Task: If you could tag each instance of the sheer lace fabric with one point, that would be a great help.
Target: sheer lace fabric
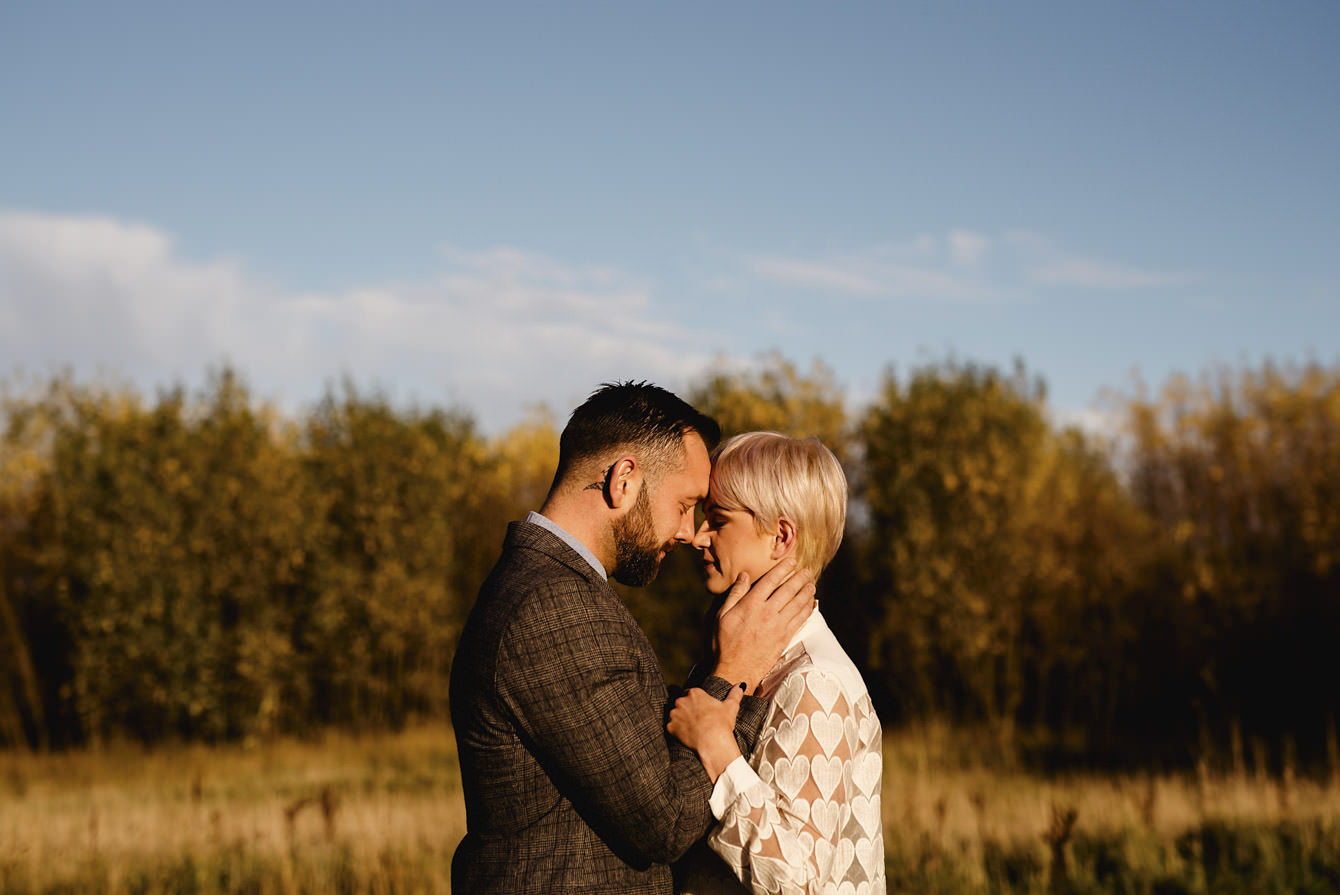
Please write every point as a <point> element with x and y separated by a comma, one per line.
<point>804,814</point>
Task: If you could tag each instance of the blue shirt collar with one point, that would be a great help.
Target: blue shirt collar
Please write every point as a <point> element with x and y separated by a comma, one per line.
<point>563,535</point>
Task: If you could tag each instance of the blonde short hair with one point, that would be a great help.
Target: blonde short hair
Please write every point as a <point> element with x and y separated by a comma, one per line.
<point>770,475</point>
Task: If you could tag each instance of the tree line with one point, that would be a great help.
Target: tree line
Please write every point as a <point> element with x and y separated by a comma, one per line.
<point>199,566</point>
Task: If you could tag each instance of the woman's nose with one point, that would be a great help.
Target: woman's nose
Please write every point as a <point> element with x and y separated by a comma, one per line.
<point>701,539</point>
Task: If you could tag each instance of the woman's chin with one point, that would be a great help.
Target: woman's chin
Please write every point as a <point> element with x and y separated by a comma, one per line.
<point>714,583</point>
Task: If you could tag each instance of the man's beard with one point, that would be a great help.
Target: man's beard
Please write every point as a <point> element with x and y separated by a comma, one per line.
<point>637,551</point>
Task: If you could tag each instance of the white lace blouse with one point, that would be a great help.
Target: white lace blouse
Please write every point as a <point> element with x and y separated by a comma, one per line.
<point>803,814</point>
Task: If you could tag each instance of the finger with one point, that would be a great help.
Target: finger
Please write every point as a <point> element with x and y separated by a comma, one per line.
<point>798,608</point>
<point>792,590</point>
<point>734,696</point>
<point>791,613</point>
<point>774,579</point>
<point>737,592</point>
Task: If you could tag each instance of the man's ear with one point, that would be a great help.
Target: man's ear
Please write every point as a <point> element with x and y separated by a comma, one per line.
<point>622,481</point>
<point>784,544</point>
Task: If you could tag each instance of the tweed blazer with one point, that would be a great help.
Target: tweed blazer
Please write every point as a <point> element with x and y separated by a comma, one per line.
<point>558,703</point>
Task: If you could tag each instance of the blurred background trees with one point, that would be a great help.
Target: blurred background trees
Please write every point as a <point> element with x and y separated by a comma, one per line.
<point>1240,472</point>
<point>202,567</point>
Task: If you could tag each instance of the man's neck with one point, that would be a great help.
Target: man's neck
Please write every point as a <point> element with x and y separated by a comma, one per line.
<point>583,522</point>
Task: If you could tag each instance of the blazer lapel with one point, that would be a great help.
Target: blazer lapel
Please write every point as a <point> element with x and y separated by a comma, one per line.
<point>529,536</point>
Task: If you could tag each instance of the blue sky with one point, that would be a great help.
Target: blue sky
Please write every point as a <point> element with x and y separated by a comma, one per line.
<point>502,205</point>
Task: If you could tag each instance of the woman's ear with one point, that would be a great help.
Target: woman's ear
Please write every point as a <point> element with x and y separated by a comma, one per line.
<point>784,543</point>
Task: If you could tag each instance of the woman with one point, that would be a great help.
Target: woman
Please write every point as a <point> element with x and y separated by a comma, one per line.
<point>803,813</point>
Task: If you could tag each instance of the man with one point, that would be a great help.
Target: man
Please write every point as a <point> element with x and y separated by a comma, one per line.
<point>570,781</point>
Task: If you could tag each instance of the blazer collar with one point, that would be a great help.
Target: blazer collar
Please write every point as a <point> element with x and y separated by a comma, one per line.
<point>530,536</point>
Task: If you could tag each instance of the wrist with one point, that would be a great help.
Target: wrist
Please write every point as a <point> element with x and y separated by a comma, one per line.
<point>717,754</point>
<point>736,674</point>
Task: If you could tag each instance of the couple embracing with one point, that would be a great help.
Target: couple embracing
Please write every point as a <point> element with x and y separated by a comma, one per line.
<point>580,773</point>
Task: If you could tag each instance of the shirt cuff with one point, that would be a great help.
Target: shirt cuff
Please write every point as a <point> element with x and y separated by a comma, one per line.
<point>737,777</point>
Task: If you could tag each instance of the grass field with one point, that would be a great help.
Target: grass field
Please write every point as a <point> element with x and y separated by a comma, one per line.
<point>382,814</point>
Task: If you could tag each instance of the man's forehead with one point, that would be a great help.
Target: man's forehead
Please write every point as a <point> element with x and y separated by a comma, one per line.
<point>690,481</point>
<point>695,451</point>
<point>699,464</point>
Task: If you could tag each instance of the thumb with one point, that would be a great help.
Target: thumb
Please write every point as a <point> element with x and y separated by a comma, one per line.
<point>735,695</point>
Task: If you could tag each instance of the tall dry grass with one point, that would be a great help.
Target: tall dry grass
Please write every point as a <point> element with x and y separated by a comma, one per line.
<point>371,814</point>
<point>383,814</point>
<point>954,821</point>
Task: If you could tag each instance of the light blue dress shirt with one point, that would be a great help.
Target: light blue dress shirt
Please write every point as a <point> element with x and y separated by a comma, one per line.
<point>562,534</point>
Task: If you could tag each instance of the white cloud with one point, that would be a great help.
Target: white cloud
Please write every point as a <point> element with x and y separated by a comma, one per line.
<point>105,292</point>
<point>881,272</point>
<point>1085,273</point>
<point>966,248</point>
<point>801,274</point>
<point>964,266</point>
<point>498,330</point>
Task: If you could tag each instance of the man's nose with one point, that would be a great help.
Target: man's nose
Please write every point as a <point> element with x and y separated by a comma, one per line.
<point>685,534</point>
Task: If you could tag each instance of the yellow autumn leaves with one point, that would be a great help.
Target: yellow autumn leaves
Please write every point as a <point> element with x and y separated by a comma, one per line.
<point>201,566</point>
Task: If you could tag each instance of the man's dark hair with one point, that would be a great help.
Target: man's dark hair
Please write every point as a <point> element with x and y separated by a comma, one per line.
<point>632,413</point>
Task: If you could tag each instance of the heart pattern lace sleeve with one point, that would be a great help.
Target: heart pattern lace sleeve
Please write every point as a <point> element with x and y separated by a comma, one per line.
<point>808,818</point>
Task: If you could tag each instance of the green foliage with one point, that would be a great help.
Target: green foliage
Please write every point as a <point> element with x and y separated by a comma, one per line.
<point>972,497</point>
<point>169,537</point>
<point>25,461</point>
<point>1242,473</point>
<point>1005,554</point>
<point>777,397</point>
<point>385,599</point>
<point>954,464</point>
<point>198,566</point>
